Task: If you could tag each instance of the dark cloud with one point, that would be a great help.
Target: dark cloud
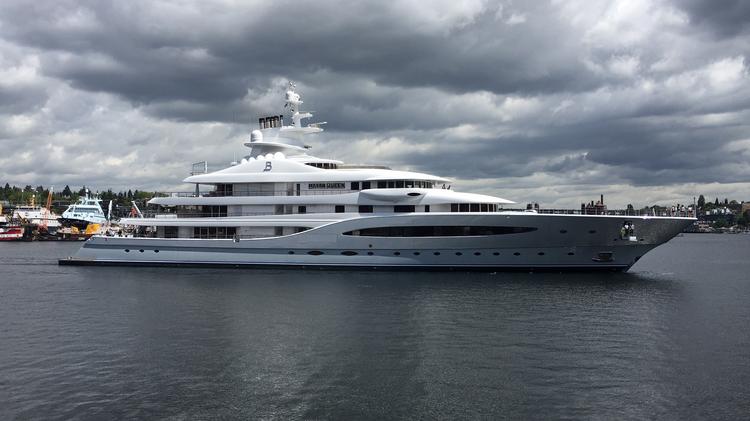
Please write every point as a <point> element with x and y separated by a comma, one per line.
<point>144,56</point>
<point>725,18</point>
<point>578,93</point>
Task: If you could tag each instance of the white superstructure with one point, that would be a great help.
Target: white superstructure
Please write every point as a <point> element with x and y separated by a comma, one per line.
<point>87,210</point>
<point>282,206</point>
<point>36,215</point>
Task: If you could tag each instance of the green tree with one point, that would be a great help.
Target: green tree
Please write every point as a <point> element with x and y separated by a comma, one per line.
<point>701,202</point>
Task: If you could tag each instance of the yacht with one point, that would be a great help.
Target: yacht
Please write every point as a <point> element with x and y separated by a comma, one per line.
<point>282,206</point>
<point>87,210</point>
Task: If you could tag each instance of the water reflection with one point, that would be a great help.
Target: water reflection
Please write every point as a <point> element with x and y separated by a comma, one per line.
<point>667,338</point>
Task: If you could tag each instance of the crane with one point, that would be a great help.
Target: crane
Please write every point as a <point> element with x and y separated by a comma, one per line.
<point>47,211</point>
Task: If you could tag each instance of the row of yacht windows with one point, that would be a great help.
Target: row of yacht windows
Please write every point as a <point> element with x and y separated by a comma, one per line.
<point>398,231</point>
<point>213,211</point>
<point>473,207</point>
<point>323,165</point>
<point>437,231</point>
<point>296,189</point>
<point>214,232</point>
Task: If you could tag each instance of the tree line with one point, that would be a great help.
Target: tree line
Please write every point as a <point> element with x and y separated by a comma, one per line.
<point>16,195</point>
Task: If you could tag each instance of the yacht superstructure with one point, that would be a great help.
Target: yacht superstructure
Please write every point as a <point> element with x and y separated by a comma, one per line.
<point>282,206</point>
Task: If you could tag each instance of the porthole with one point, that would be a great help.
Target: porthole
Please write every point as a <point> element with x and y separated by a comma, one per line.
<point>156,251</point>
<point>437,253</point>
<point>516,254</point>
<point>141,250</point>
<point>127,250</point>
<point>290,252</point>
<point>570,253</point>
<point>592,231</point>
<point>315,252</point>
<point>369,253</point>
<point>495,254</point>
<point>416,253</point>
<point>563,231</point>
<point>541,253</point>
<point>476,253</point>
<point>397,253</point>
<point>349,253</point>
<point>458,253</point>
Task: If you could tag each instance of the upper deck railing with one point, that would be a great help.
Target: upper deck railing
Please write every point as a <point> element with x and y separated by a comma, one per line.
<point>613,212</point>
<point>259,193</point>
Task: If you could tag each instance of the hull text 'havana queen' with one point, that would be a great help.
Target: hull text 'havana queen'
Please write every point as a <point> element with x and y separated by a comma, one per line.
<point>282,206</point>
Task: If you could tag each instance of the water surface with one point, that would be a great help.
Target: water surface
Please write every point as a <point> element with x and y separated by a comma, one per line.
<point>667,340</point>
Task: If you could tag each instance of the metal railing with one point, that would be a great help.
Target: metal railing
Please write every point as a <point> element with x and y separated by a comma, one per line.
<point>177,215</point>
<point>613,212</point>
<point>258,193</point>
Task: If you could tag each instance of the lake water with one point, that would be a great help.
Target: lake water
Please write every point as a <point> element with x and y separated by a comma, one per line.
<point>668,340</point>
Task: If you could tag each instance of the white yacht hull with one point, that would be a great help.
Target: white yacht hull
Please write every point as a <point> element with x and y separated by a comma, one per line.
<point>582,242</point>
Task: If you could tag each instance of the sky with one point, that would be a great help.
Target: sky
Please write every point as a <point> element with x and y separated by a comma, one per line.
<point>555,102</point>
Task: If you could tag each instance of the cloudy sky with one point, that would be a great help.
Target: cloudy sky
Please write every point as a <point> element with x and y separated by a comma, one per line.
<point>548,101</point>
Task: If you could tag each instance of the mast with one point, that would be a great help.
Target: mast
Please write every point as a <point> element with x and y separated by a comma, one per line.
<point>273,136</point>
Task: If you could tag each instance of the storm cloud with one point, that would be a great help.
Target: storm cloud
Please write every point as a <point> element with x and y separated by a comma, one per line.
<point>553,102</point>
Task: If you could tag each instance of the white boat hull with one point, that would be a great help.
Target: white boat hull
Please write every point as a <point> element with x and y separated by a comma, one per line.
<point>582,242</point>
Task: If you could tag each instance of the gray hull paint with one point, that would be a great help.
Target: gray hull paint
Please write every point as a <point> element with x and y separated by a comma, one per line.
<point>559,242</point>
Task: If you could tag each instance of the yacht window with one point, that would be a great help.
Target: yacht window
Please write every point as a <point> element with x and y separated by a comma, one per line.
<point>475,207</point>
<point>484,208</point>
<point>365,185</point>
<point>409,183</point>
<point>223,189</point>
<point>426,208</point>
<point>381,184</point>
<point>391,184</point>
<point>438,231</point>
<point>404,208</point>
<point>214,232</point>
<point>454,207</point>
<point>463,207</point>
<point>400,184</point>
<point>339,208</point>
<point>170,232</point>
<point>365,209</point>
<point>214,211</point>
<point>301,209</point>
<point>355,185</point>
